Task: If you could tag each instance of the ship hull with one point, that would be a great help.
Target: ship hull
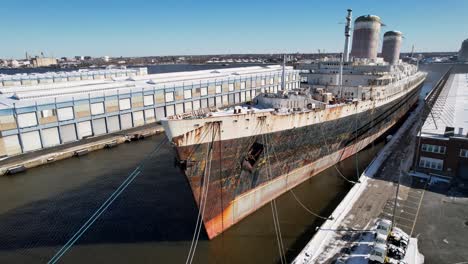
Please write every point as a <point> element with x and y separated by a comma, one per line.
<point>240,176</point>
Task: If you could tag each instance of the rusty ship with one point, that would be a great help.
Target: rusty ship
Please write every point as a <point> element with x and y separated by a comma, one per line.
<point>238,159</point>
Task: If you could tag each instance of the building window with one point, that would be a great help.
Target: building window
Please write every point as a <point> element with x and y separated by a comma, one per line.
<point>263,82</point>
<point>271,80</point>
<point>169,97</point>
<point>464,153</point>
<point>48,113</point>
<point>187,94</point>
<point>148,100</point>
<point>204,91</point>
<point>231,87</point>
<point>97,108</point>
<point>218,89</point>
<point>124,104</point>
<point>433,148</point>
<point>294,77</point>
<point>65,113</point>
<point>252,83</point>
<point>242,85</point>
<point>27,119</point>
<point>430,163</point>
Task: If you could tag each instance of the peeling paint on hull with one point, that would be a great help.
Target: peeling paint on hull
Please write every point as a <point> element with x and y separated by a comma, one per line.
<point>239,183</point>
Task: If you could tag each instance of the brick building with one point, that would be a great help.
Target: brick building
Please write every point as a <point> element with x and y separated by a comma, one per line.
<point>442,147</point>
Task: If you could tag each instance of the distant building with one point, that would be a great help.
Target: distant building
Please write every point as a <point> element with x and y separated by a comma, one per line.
<point>443,141</point>
<point>43,62</point>
<point>106,58</point>
<point>463,54</point>
<point>14,64</point>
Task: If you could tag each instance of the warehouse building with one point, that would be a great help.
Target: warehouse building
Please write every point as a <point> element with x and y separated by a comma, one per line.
<point>44,110</point>
<point>443,141</point>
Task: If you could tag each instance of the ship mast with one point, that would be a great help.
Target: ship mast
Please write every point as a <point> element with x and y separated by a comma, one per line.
<point>340,79</point>
<point>283,73</point>
<point>347,35</point>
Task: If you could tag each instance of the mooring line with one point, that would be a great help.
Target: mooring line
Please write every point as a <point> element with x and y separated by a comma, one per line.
<point>102,208</point>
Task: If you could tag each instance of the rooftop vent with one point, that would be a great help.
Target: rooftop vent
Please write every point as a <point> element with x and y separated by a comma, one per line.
<point>449,132</point>
<point>131,79</point>
<point>151,82</point>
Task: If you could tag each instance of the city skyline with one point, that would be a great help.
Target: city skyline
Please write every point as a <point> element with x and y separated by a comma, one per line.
<point>120,28</point>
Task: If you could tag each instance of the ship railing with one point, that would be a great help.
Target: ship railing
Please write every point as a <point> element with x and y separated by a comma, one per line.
<point>202,112</point>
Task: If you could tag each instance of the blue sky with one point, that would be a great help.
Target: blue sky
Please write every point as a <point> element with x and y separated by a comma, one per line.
<point>172,27</point>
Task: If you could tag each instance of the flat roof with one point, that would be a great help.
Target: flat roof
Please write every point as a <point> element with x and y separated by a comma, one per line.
<point>450,109</point>
<point>23,96</point>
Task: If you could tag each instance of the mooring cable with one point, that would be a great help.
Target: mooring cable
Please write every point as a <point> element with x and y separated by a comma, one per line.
<point>274,208</point>
<point>307,209</point>
<point>202,204</point>
<point>104,206</point>
<point>297,199</point>
<point>334,165</point>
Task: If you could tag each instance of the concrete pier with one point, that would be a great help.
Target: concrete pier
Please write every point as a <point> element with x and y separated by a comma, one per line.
<point>26,161</point>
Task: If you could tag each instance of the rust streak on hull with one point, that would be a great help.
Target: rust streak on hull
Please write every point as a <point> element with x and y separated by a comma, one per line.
<point>239,183</point>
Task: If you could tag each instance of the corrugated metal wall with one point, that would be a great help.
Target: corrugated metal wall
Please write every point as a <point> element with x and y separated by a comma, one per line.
<point>50,137</point>
<point>68,133</point>
<point>99,126</point>
<point>113,124</point>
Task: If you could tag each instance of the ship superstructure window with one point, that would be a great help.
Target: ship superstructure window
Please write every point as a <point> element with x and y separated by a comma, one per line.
<point>27,119</point>
<point>187,94</point>
<point>65,113</point>
<point>97,108</point>
<point>433,148</point>
<point>231,87</point>
<point>204,91</point>
<point>218,89</point>
<point>431,163</point>
<point>148,100</point>
<point>464,153</point>
<point>169,97</point>
<point>263,82</point>
<point>294,77</point>
<point>271,80</point>
<point>242,85</point>
<point>124,104</point>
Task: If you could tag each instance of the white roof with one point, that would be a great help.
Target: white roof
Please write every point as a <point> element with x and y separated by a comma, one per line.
<point>23,96</point>
<point>450,109</point>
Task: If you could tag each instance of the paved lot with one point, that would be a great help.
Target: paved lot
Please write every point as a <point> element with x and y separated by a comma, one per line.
<point>410,199</point>
<point>442,225</point>
<point>437,213</point>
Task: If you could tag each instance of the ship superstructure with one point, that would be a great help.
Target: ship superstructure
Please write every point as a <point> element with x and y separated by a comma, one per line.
<point>238,159</point>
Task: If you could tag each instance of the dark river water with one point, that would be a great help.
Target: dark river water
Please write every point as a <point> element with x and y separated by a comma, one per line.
<point>153,220</point>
